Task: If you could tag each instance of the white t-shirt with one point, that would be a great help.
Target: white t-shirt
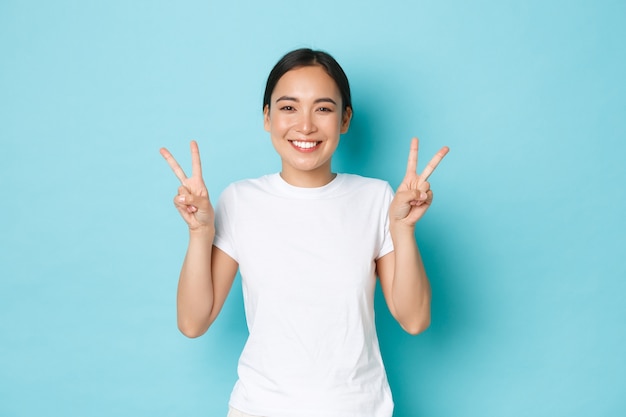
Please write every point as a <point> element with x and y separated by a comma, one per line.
<point>307,261</point>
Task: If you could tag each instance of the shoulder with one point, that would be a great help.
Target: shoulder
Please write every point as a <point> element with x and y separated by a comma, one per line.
<point>353,181</point>
<point>252,186</point>
<point>251,183</point>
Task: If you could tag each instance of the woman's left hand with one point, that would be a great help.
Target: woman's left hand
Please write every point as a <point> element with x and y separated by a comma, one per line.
<point>414,195</point>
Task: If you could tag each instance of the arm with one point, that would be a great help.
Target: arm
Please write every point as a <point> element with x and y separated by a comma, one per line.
<point>207,273</point>
<point>402,275</point>
<point>206,278</point>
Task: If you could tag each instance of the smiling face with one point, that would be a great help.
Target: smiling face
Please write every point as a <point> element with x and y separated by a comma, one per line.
<point>305,119</point>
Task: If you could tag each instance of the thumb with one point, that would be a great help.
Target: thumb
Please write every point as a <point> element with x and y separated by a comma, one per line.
<point>192,202</point>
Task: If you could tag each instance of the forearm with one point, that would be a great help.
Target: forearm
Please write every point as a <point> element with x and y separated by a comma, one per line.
<point>195,285</point>
<point>411,293</point>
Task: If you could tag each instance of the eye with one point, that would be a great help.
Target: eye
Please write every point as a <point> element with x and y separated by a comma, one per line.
<point>325,109</point>
<point>287,108</point>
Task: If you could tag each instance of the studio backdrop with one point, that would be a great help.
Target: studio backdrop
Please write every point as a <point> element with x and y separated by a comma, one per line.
<point>524,245</point>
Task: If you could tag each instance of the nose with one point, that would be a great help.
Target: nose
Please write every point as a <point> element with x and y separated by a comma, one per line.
<point>306,123</point>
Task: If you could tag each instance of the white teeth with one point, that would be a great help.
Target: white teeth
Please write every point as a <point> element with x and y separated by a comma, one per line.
<point>303,144</point>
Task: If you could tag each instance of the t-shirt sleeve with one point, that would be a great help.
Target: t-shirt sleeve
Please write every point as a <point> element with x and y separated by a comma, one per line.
<point>225,213</point>
<point>386,245</point>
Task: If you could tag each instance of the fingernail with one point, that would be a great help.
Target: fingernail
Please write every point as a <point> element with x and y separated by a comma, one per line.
<point>423,196</point>
<point>181,198</point>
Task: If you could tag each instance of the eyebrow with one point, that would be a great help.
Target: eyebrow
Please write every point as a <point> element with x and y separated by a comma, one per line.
<point>319,100</point>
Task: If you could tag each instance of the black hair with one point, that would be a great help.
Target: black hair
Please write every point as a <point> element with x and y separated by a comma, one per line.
<point>306,57</point>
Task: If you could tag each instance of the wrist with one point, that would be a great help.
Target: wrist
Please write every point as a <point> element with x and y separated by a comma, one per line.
<point>400,227</point>
<point>204,232</point>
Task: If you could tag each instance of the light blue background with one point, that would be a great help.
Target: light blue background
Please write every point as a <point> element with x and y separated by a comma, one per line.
<point>525,244</point>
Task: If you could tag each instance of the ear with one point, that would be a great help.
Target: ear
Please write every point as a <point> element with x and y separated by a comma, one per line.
<point>345,119</point>
<point>266,118</point>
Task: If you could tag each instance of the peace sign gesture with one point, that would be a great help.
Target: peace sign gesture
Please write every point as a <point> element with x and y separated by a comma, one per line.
<point>414,196</point>
<point>192,200</point>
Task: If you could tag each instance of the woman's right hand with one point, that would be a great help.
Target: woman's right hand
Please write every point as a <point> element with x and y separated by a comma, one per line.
<point>192,200</point>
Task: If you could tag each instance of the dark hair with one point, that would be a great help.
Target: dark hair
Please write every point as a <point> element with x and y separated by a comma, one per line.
<point>306,57</point>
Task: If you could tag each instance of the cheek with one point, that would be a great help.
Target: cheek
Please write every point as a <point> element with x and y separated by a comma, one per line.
<point>280,121</point>
<point>272,124</point>
<point>332,124</point>
<point>280,126</point>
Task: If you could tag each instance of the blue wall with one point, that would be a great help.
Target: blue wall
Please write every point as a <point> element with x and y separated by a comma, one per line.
<point>524,245</point>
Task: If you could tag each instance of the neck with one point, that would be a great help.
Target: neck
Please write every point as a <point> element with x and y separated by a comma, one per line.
<point>308,179</point>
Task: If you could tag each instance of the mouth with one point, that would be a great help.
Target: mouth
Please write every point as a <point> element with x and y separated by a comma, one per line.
<point>305,145</point>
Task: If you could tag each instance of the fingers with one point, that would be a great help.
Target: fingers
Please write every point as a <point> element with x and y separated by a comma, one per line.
<point>411,166</point>
<point>178,171</point>
<point>430,168</point>
<point>429,197</point>
<point>422,194</point>
<point>196,166</point>
<point>415,196</point>
<point>425,198</point>
<point>185,201</point>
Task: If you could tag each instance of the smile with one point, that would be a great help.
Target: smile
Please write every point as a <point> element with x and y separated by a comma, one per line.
<point>304,145</point>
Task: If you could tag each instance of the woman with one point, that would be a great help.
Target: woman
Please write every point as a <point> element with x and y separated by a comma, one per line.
<point>309,244</point>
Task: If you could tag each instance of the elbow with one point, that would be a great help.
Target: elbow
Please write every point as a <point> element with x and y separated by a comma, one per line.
<point>191,334</point>
<point>190,330</point>
<point>417,326</point>
<point>415,321</point>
